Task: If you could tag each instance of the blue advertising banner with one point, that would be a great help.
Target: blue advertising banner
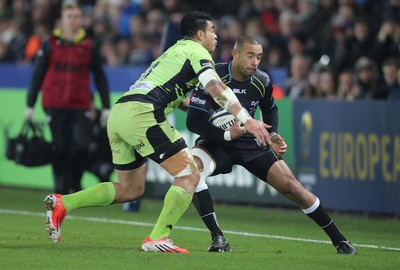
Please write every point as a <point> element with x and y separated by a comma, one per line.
<point>348,153</point>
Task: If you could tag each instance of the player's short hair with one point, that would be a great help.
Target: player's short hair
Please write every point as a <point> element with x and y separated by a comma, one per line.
<point>67,4</point>
<point>245,39</point>
<point>194,21</point>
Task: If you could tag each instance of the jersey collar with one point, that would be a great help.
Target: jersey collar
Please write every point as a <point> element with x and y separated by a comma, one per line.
<point>230,72</point>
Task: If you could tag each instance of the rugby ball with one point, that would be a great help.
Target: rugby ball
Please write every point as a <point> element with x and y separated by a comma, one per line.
<point>221,118</point>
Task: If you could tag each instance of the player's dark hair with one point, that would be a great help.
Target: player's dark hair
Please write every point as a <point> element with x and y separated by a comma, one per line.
<point>194,21</point>
<point>245,39</point>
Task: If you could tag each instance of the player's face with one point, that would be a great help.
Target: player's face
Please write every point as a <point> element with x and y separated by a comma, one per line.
<point>210,38</point>
<point>248,58</point>
<point>71,19</point>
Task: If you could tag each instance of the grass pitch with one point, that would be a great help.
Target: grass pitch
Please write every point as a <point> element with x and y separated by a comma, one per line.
<point>260,238</point>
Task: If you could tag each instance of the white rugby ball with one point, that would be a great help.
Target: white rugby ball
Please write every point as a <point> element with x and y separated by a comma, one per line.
<point>221,118</point>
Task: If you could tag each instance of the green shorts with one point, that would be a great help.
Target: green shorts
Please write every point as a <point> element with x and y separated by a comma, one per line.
<point>134,134</point>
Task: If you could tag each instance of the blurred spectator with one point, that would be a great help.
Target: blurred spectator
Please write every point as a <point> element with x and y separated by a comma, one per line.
<point>297,44</point>
<point>362,44</point>
<point>40,35</point>
<point>5,10</point>
<point>5,56</point>
<point>16,46</point>
<point>366,86</point>
<point>344,30</point>
<point>88,20</point>
<point>394,94</point>
<point>62,72</point>
<point>20,14</point>
<point>391,86</point>
<point>344,17</point>
<point>229,30</point>
<point>270,17</point>
<point>274,58</point>
<point>298,81</point>
<point>346,87</point>
<point>137,25</point>
<point>326,84</point>
<point>44,12</point>
<point>388,39</point>
<point>123,50</point>
<point>141,52</point>
<point>173,6</point>
<point>102,30</point>
<point>318,29</point>
<point>254,28</point>
<point>108,53</point>
<point>391,8</point>
<point>310,90</point>
<point>127,9</point>
<point>287,27</point>
<point>155,20</point>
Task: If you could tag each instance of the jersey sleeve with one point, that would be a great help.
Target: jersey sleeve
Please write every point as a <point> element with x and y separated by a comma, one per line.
<point>201,60</point>
<point>201,106</point>
<point>267,103</point>
<point>38,74</point>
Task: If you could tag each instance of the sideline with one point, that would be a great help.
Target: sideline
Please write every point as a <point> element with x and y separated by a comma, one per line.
<point>144,224</point>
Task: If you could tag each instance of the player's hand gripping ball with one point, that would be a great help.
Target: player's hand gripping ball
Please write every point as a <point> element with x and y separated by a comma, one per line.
<point>221,118</point>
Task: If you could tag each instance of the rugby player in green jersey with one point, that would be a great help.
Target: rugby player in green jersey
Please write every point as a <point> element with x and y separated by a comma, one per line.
<point>137,129</point>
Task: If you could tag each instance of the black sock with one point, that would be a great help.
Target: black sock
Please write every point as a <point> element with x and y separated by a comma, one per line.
<point>204,204</point>
<point>321,217</point>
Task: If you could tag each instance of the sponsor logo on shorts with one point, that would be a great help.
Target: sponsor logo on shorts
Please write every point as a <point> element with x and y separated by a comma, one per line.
<point>139,145</point>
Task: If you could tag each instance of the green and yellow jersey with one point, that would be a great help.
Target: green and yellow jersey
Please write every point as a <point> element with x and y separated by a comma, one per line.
<point>169,78</point>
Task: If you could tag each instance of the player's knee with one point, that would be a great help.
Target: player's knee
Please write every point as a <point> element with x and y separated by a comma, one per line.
<point>181,164</point>
<point>133,192</point>
<point>199,163</point>
<point>205,162</point>
<point>195,178</point>
<point>295,189</point>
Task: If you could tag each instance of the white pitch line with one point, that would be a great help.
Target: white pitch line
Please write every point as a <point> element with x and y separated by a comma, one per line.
<point>144,224</point>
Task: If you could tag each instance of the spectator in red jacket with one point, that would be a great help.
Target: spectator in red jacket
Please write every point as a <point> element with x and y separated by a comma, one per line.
<point>62,71</point>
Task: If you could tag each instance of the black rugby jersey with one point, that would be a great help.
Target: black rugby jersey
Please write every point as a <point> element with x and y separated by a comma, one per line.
<point>253,93</point>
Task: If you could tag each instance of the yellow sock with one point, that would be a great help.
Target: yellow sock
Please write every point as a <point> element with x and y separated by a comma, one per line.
<point>102,194</point>
<point>176,202</point>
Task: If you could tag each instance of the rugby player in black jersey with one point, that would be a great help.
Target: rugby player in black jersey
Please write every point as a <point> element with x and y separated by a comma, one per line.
<point>216,150</point>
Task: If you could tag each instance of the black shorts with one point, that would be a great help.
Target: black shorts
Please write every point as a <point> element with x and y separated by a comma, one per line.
<point>256,161</point>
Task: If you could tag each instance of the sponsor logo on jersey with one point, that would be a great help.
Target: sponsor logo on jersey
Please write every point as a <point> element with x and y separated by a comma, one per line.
<point>205,63</point>
<point>142,86</point>
<point>197,100</point>
<point>239,91</point>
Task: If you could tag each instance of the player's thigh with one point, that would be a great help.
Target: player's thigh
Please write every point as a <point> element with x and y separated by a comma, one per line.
<point>126,131</point>
<point>261,165</point>
<point>282,179</point>
<point>170,150</point>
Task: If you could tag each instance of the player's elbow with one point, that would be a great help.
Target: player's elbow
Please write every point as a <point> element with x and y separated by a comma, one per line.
<point>214,88</point>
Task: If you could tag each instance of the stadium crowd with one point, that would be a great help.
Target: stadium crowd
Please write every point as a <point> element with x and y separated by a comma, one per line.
<point>333,49</point>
